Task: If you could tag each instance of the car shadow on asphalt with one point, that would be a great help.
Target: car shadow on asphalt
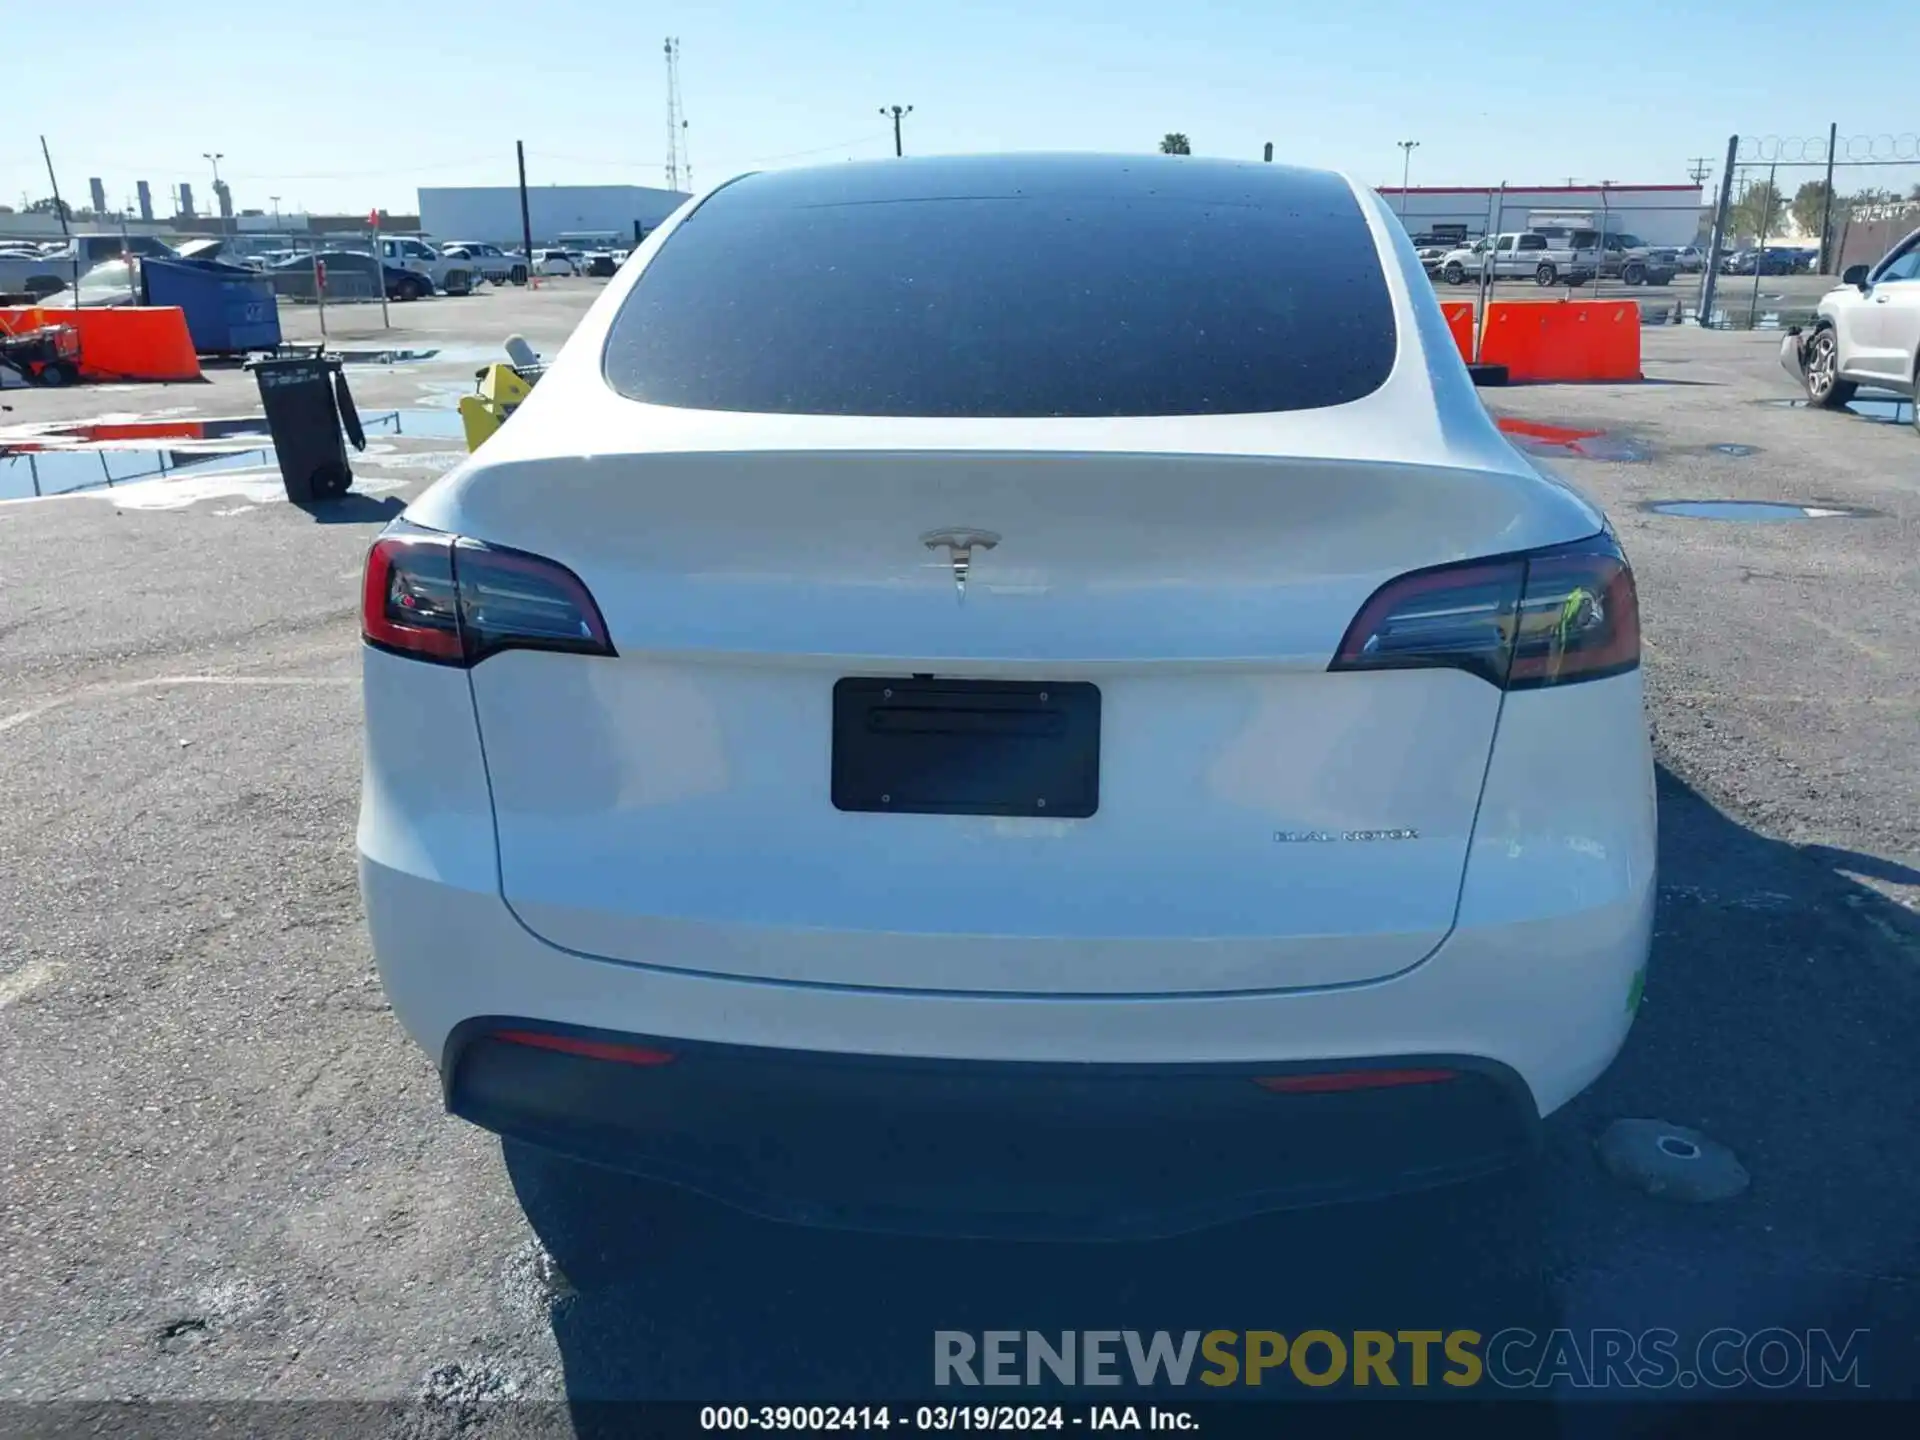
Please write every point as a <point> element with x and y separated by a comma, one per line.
<point>352,509</point>
<point>1777,1019</point>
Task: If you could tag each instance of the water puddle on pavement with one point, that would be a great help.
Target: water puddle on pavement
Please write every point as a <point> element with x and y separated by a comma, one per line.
<point>437,424</point>
<point>1734,449</point>
<point>1886,409</point>
<point>1566,440</point>
<point>61,459</point>
<point>445,355</point>
<point>1753,512</point>
<point>26,473</point>
<point>1744,317</point>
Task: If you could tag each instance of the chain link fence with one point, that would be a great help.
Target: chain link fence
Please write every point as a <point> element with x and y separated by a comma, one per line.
<point>1794,212</point>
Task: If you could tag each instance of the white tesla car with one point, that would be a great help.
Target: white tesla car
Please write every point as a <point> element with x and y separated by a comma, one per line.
<point>1010,695</point>
<point>1866,332</point>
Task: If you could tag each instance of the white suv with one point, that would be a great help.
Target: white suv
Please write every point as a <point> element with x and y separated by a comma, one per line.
<point>1866,332</point>
<point>916,723</point>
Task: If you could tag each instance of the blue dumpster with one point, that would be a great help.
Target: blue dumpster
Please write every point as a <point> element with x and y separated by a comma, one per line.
<point>229,308</point>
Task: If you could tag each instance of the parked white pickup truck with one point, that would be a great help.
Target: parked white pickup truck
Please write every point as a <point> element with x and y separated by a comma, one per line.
<point>450,277</point>
<point>490,261</point>
<point>1520,254</point>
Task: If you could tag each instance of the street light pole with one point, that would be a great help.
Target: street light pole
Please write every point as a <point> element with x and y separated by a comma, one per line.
<point>1407,147</point>
<point>214,158</point>
<point>896,111</point>
<point>276,213</point>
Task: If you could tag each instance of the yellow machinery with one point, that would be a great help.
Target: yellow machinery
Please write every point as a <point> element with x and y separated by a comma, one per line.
<point>501,389</point>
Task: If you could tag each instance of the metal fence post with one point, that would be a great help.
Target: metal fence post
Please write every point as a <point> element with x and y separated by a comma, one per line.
<point>1487,276</point>
<point>126,255</point>
<point>1826,210</point>
<point>320,290</point>
<point>379,270</point>
<point>1704,317</point>
<point>1600,259</point>
<point>1760,256</point>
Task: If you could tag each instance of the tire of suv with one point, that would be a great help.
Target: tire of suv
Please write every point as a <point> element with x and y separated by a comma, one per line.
<point>1545,275</point>
<point>407,289</point>
<point>1635,274</point>
<point>1825,388</point>
<point>1453,274</point>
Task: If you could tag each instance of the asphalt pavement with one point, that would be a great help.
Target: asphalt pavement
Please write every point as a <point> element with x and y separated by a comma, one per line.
<point>225,1173</point>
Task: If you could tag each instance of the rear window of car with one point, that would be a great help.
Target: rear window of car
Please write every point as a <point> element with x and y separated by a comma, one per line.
<point>1046,286</point>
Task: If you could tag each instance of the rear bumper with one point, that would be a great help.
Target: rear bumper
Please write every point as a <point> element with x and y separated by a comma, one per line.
<point>1532,993</point>
<point>990,1149</point>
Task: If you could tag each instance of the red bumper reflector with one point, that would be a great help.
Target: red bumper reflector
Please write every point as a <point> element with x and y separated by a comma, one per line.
<point>590,1049</point>
<point>1338,1080</point>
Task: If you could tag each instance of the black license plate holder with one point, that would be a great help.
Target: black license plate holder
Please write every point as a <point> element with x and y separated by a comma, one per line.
<point>967,747</point>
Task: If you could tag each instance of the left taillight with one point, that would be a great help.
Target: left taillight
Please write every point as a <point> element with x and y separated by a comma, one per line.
<point>455,601</point>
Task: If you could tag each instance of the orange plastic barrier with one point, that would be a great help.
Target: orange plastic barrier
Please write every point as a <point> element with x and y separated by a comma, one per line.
<point>18,318</point>
<point>1563,339</point>
<point>120,342</point>
<point>1459,315</point>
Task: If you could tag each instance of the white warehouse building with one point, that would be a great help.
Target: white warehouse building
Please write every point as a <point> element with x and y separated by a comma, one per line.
<point>492,212</point>
<point>1657,214</point>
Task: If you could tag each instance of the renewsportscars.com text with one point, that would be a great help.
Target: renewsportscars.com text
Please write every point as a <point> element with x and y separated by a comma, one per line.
<point>1513,1359</point>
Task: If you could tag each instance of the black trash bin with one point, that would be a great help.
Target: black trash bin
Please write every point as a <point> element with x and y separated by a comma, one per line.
<point>308,406</point>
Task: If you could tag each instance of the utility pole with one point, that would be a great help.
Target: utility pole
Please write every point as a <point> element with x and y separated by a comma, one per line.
<point>276,213</point>
<point>59,208</point>
<point>1699,168</point>
<point>897,112</point>
<point>526,222</point>
<point>1711,271</point>
<point>1407,147</point>
<point>60,213</point>
<point>214,158</point>
<point>679,166</point>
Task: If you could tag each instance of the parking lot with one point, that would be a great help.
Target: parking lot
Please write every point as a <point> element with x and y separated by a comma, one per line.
<point>227,1173</point>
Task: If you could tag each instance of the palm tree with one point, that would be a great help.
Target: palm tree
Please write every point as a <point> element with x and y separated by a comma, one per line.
<point>1174,143</point>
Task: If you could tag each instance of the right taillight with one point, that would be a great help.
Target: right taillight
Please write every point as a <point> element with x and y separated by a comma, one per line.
<point>1523,621</point>
<point>455,601</point>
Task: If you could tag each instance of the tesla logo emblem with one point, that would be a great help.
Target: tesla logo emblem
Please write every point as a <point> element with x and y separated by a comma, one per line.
<point>960,545</point>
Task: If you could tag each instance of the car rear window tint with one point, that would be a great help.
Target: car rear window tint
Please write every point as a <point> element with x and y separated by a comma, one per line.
<point>1039,290</point>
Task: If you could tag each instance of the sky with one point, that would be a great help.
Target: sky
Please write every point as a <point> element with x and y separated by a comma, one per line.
<point>348,105</point>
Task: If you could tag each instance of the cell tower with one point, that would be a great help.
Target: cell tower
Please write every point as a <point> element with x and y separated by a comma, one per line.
<point>679,163</point>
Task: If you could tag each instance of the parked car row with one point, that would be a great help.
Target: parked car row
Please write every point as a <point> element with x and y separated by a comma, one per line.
<point>1798,260</point>
<point>411,268</point>
<point>42,270</point>
<point>1552,257</point>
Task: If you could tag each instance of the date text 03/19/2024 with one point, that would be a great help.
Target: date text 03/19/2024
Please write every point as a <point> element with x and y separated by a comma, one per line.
<point>940,1419</point>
